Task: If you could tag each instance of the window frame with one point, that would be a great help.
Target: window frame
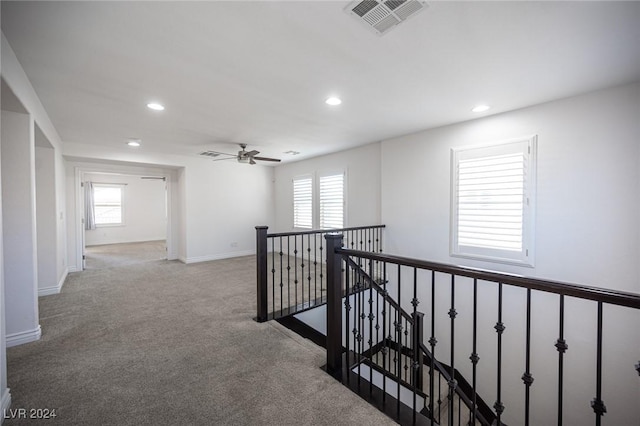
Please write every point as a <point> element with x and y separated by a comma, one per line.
<point>120,186</point>
<point>526,256</point>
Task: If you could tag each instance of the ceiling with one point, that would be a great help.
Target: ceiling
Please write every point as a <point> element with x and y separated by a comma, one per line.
<point>259,72</point>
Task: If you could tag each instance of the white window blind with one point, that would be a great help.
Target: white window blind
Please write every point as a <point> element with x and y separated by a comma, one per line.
<point>303,203</point>
<point>107,201</point>
<point>492,211</point>
<point>332,201</point>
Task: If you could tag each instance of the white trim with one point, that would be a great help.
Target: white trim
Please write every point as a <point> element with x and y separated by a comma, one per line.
<point>208,258</point>
<point>23,337</point>
<point>5,403</point>
<point>526,256</point>
<point>72,268</point>
<point>46,291</point>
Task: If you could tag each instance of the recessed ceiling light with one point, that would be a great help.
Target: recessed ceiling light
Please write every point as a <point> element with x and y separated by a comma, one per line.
<point>155,106</point>
<point>333,101</point>
<point>134,142</point>
<point>480,108</point>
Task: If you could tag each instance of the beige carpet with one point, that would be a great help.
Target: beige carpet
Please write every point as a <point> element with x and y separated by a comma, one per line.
<point>113,255</point>
<point>163,343</point>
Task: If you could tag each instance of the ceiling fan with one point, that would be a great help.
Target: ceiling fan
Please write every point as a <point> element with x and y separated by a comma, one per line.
<point>243,156</point>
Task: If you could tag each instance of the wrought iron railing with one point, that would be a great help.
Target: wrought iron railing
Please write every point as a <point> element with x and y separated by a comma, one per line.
<point>382,332</point>
<point>291,268</point>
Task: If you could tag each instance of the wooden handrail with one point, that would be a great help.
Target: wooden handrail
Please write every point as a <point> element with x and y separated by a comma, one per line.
<point>614,297</point>
<point>323,231</point>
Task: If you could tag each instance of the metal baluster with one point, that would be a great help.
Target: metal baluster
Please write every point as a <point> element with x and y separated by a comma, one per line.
<point>347,307</point>
<point>321,257</point>
<point>289,275</point>
<point>281,277</point>
<point>414,303</point>
<point>273,275</point>
<point>295,271</point>
<point>439,398</point>
<point>302,267</point>
<point>406,345</point>
<point>452,382</point>
<point>377,324</point>
<point>309,268</point>
<point>562,347</point>
<point>371,316</point>
<point>385,341</point>
<point>432,343</point>
<point>499,327</point>
<point>598,404</point>
<point>315,266</point>
<point>527,378</point>
<point>399,343</point>
<point>474,355</point>
<point>357,328</point>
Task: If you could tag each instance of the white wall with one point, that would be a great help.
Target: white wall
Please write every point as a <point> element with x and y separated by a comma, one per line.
<point>46,220</point>
<point>18,84</point>
<point>587,232</point>
<point>19,228</point>
<point>5,395</point>
<point>362,167</point>
<point>145,212</point>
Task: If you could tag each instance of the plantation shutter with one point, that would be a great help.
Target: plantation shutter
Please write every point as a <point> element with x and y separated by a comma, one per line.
<point>302,203</point>
<point>332,201</point>
<point>492,215</point>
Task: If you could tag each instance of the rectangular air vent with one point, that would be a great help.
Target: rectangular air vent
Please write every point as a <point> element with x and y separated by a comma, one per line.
<point>383,15</point>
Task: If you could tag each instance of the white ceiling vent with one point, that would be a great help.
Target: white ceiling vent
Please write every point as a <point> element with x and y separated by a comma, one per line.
<point>383,15</point>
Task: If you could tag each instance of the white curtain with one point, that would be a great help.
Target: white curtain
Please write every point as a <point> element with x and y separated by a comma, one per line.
<point>89,211</point>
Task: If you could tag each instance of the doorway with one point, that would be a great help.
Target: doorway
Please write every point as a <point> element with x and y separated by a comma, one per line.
<point>125,218</point>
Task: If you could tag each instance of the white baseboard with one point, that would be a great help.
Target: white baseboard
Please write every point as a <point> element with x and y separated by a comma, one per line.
<point>198,259</point>
<point>72,268</point>
<point>23,337</point>
<point>5,403</point>
<point>46,291</point>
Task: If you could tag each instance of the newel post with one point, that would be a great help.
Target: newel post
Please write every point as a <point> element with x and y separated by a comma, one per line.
<point>334,303</point>
<point>261,262</point>
<point>418,364</point>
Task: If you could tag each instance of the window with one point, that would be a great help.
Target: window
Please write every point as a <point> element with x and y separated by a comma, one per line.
<point>332,201</point>
<point>303,202</point>
<point>493,195</point>
<point>107,201</point>
<point>318,202</point>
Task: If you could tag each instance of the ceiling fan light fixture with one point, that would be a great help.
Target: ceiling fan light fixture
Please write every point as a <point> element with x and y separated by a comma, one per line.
<point>243,160</point>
